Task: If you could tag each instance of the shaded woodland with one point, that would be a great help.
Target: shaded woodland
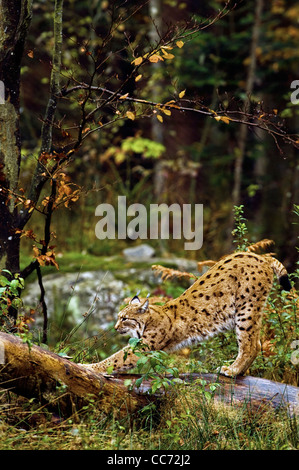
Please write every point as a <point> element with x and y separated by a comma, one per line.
<point>159,101</point>
<point>244,61</point>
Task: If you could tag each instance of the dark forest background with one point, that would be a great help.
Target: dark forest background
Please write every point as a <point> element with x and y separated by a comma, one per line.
<point>187,158</point>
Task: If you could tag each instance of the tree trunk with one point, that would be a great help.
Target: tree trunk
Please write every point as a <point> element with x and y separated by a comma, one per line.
<point>15,18</point>
<point>156,127</point>
<point>64,385</point>
<point>241,147</point>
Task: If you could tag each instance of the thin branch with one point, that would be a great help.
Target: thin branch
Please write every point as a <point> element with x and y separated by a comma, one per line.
<point>43,304</point>
<point>35,264</point>
<point>247,118</point>
<point>40,176</point>
<point>47,127</point>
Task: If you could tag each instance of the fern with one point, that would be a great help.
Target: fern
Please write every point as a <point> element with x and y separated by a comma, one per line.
<point>168,273</point>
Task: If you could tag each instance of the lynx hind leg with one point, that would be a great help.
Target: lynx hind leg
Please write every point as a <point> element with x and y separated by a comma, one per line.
<point>121,360</point>
<point>248,337</point>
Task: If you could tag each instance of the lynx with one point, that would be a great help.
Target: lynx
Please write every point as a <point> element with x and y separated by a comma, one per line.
<point>230,295</point>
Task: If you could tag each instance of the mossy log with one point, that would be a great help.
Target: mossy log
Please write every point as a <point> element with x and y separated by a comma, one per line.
<point>60,383</point>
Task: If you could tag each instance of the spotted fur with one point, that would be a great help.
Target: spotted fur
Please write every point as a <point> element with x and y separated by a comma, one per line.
<point>230,295</point>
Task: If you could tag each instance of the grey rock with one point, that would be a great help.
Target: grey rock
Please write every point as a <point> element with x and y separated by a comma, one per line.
<point>94,298</point>
<point>139,253</point>
<point>96,295</point>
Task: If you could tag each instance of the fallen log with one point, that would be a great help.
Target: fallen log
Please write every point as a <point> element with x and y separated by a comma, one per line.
<point>37,373</point>
<point>254,393</point>
<point>54,380</point>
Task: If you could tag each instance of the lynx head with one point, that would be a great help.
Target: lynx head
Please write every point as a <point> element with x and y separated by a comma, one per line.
<point>131,319</point>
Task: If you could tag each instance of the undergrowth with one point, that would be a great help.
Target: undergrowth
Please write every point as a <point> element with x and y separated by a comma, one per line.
<point>190,419</point>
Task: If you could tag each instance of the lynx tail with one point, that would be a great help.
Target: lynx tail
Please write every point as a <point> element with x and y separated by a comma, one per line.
<point>282,274</point>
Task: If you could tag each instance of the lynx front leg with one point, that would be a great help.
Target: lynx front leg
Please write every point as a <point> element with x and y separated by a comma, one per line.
<point>249,346</point>
<point>120,361</point>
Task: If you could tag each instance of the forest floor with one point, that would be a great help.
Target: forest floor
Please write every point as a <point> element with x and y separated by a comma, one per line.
<point>190,419</point>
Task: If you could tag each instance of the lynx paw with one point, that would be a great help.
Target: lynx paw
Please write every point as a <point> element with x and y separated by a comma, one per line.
<point>229,371</point>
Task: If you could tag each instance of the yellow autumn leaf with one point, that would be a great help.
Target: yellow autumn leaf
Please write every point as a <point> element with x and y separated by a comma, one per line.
<point>130,115</point>
<point>137,61</point>
<point>166,111</point>
<point>167,55</point>
<point>159,117</point>
<point>179,44</point>
<point>182,94</point>
<point>170,103</point>
<point>123,97</point>
<point>155,58</point>
<point>138,78</point>
<point>223,119</point>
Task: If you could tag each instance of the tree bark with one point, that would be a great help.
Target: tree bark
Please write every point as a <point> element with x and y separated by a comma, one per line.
<point>37,373</point>
<point>67,386</point>
<point>15,16</point>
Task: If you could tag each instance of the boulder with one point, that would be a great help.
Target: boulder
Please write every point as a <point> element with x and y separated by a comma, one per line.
<point>139,253</point>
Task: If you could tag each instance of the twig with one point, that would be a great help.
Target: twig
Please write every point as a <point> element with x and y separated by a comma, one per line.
<point>35,264</point>
<point>40,176</point>
<point>43,304</point>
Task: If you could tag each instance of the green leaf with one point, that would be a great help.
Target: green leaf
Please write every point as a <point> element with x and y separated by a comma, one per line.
<point>133,342</point>
<point>155,386</point>
<point>143,360</point>
<point>139,382</point>
<point>4,281</point>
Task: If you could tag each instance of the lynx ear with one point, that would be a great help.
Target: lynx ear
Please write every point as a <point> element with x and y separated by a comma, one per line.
<point>135,300</point>
<point>144,306</point>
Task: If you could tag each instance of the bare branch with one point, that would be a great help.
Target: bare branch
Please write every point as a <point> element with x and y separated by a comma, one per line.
<point>260,121</point>
<point>40,177</point>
